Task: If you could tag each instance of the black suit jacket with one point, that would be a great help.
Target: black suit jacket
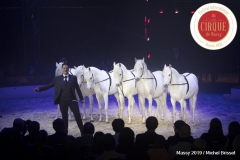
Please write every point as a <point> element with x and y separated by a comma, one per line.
<point>57,84</point>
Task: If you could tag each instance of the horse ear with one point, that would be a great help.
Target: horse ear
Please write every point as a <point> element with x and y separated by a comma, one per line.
<point>135,59</point>
<point>114,64</point>
<point>84,66</point>
<point>143,59</point>
<point>56,64</point>
<point>170,66</point>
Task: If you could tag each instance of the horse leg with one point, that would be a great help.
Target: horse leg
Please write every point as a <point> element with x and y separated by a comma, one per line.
<point>158,107</point>
<point>150,105</point>
<point>58,112</point>
<point>84,110</point>
<point>174,109</point>
<point>132,106</point>
<point>99,99</point>
<point>164,104</point>
<point>193,101</point>
<point>183,109</point>
<point>120,106</point>
<point>141,99</point>
<point>91,107</point>
<point>70,114</point>
<point>105,96</point>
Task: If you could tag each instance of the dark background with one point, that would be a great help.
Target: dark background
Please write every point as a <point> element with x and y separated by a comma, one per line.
<point>90,32</point>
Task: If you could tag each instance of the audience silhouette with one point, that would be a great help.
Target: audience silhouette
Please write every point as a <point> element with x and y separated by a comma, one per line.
<point>99,146</point>
<point>117,125</point>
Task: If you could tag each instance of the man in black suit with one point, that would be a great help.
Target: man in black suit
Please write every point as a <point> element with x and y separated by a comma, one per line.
<point>64,95</point>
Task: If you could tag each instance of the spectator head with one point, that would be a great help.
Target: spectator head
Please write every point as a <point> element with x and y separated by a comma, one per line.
<point>58,125</point>
<point>177,124</point>
<point>118,125</point>
<point>233,129</point>
<point>33,127</point>
<point>69,143</point>
<point>184,130</point>
<point>126,136</point>
<point>98,137</point>
<point>108,142</point>
<point>18,124</point>
<point>199,144</point>
<point>88,128</point>
<point>215,127</point>
<point>151,123</point>
<point>42,136</point>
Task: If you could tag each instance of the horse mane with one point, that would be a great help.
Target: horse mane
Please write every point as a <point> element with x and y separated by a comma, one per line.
<point>79,69</point>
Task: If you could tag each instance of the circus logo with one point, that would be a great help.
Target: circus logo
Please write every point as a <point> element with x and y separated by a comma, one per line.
<point>213,26</point>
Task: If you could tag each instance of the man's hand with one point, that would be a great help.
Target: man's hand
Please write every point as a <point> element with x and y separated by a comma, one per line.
<point>36,89</point>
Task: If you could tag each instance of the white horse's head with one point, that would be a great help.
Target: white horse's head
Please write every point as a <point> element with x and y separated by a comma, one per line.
<point>58,70</point>
<point>139,68</point>
<point>117,73</point>
<point>79,72</point>
<point>167,75</point>
<point>89,78</point>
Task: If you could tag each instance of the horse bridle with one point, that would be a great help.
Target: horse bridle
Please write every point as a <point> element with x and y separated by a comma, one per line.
<point>149,78</point>
<point>82,80</point>
<point>121,89</point>
<point>103,80</point>
<point>181,83</point>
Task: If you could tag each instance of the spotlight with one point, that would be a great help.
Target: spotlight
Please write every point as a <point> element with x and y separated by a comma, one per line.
<point>148,39</point>
<point>176,12</point>
<point>161,11</point>
<point>192,11</point>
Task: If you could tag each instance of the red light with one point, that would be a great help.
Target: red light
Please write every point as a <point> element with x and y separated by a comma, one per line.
<point>148,39</point>
<point>148,20</point>
<point>161,12</point>
<point>192,12</point>
<point>149,55</point>
<point>176,11</point>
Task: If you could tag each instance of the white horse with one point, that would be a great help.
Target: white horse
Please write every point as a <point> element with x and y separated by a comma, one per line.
<point>78,72</point>
<point>103,84</point>
<point>150,86</point>
<point>126,83</point>
<point>181,87</point>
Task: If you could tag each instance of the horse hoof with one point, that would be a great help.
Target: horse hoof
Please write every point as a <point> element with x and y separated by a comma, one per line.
<point>91,120</point>
<point>84,118</point>
<point>107,122</point>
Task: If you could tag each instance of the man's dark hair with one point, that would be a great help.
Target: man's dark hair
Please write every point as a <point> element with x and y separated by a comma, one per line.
<point>64,64</point>
<point>118,125</point>
<point>151,123</point>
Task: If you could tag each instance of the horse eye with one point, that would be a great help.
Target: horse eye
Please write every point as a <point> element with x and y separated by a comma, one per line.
<point>169,75</point>
<point>141,68</point>
<point>120,74</point>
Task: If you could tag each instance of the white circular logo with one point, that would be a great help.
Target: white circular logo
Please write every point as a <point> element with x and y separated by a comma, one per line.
<point>213,26</point>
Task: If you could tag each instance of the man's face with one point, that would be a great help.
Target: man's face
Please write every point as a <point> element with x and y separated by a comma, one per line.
<point>65,69</point>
